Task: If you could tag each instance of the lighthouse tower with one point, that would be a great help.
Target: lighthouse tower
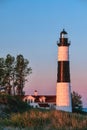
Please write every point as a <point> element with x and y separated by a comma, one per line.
<point>63,93</point>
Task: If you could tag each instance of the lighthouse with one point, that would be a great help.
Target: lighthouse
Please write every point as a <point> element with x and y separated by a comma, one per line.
<point>63,90</point>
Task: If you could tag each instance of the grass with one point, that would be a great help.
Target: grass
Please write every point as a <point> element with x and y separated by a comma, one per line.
<point>26,118</point>
<point>36,119</point>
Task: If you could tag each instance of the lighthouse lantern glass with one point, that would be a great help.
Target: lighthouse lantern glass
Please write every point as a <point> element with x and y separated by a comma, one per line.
<point>64,35</point>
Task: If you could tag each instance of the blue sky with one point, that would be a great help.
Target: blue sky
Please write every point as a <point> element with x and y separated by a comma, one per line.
<point>32,28</point>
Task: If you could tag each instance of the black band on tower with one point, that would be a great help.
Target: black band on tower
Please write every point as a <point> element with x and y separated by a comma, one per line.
<point>63,74</point>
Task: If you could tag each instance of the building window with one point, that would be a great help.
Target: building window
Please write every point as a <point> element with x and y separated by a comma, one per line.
<point>30,100</point>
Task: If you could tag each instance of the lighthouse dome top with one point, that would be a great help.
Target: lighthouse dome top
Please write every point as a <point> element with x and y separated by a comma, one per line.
<point>63,34</point>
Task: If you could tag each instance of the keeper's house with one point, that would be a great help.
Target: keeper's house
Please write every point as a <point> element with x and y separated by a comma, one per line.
<point>41,101</point>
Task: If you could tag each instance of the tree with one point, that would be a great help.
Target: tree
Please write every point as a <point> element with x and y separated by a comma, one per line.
<point>22,70</point>
<point>9,70</point>
<point>76,101</point>
<point>13,73</point>
<point>2,71</point>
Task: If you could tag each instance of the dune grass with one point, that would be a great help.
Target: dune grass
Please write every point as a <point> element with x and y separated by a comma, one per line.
<point>36,119</point>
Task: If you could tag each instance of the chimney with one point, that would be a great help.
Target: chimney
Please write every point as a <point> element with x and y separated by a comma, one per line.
<point>35,93</point>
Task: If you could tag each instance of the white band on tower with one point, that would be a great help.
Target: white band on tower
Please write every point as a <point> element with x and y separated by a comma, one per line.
<point>63,94</point>
<point>63,52</point>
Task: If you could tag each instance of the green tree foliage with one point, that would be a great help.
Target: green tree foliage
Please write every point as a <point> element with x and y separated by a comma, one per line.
<point>76,101</point>
<point>22,70</point>
<point>2,70</point>
<point>8,77</point>
<point>13,73</point>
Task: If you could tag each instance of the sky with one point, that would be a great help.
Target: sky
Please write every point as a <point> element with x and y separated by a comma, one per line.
<point>32,28</point>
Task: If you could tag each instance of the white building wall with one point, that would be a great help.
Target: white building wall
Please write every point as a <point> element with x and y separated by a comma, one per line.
<point>34,105</point>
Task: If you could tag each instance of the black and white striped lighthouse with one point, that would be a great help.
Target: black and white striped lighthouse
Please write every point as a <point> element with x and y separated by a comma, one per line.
<point>63,93</point>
